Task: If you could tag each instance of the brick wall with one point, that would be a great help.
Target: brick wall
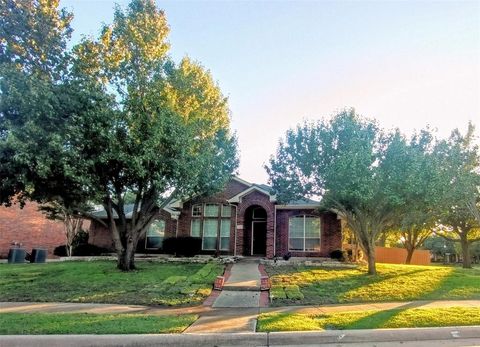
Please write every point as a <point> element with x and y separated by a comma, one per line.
<point>29,227</point>
<point>100,236</point>
<point>330,236</point>
<point>253,199</point>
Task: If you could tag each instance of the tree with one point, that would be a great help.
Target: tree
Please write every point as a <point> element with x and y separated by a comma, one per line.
<point>459,168</point>
<point>72,221</point>
<point>352,165</point>
<point>139,126</point>
<point>420,188</point>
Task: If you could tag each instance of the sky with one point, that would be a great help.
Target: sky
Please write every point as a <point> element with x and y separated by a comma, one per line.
<point>407,64</point>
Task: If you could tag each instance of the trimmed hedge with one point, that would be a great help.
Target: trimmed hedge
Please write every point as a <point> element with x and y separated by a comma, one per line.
<point>183,246</point>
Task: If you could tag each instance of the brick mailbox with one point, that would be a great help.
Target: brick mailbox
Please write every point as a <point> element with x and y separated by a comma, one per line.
<point>264,283</point>
<point>219,281</point>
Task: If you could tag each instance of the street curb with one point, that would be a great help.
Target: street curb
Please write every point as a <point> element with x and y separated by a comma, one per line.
<point>246,339</point>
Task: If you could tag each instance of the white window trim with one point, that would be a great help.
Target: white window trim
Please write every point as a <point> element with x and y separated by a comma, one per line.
<point>304,216</point>
<point>191,227</point>
<point>221,212</point>
<point>220,234</point>
<point>211,237</point>
<point>201,210</point>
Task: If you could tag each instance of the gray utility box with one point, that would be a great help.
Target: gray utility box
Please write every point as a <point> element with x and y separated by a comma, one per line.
<point>39,255</point>
<point>16,255</point>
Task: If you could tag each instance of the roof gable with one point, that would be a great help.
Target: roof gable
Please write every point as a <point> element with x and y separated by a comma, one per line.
<point>238,197</point>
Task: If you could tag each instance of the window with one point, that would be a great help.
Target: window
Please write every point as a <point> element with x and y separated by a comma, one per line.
<point>210,227</point>
<point>226,211</point>
<point>155,235</point>
<point>197,210</point>
<point>225,234</point>
<point>213,226</point>
<point>196,228</point>
<point>259,213</point>
<point>304,233</point>
<point>211,210</point>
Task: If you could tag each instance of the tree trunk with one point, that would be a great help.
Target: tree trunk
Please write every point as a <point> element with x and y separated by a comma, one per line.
<point>410,251</point>
<point>126,258</point>
<point>467,261</point>
<point>372,268</point>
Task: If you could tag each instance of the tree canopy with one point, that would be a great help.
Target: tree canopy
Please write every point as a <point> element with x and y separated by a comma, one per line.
<point>120,118</point>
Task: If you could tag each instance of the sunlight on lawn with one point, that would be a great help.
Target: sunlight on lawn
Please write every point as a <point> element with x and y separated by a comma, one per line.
<point>394,318</point>
<point>392,283</point>
<point>402,283</point>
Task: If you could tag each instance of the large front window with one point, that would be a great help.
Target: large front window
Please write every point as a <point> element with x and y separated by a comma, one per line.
<point>304,233</point>
<point>212,223</point>
<point>155,235</point>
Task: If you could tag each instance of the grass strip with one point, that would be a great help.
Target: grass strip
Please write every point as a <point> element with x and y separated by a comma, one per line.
<point>89,323</point>
<point>372,319</point>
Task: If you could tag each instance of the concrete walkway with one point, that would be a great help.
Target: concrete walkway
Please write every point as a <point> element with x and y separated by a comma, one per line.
<point>238,305</point>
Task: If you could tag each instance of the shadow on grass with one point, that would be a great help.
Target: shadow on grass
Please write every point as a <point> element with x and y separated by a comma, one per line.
<point>378,319</point>
<point>342,286</point>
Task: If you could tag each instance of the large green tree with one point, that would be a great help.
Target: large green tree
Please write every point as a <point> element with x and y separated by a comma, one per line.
<point>420,190</point>
<point>352,165</point>
<point>138,125</point>
<point>459,167</point>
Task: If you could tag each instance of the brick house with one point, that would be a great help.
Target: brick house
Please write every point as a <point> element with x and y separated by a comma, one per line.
<point>29,227</point>
<point>243,219</point>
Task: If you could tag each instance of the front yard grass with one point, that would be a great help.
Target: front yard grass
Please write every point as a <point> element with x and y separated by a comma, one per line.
<point>392,283</point>
<point>167,284</point>
<point>374,319</point>
<point>88,323</point>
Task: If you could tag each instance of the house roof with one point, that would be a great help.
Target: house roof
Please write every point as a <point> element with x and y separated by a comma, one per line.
<point>175,204</point>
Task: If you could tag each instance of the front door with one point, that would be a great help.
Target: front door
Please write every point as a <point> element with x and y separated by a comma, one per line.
<point>259,238</point>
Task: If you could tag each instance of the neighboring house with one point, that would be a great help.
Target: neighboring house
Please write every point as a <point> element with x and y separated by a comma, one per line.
<point>28,227</point>
<point>243,219</point>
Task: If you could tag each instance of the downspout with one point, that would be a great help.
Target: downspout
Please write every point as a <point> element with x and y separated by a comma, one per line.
<point>235,231</point>
<point>275,232</point>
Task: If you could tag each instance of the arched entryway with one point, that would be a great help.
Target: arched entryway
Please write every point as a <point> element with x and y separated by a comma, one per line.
<point>255,243</point>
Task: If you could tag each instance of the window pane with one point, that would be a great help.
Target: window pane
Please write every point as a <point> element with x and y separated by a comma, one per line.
<point>312,245</point>
<point>154,242</point>
<point>209,243</point>
<point>210,228</point>
<point>211,210</point>
<point>225,243</point>
<point>295,227</point>
<point>196,228</point>
<point>197,210</point>
<point>312,227</point>
<point>157,228</point>
<point>295,244</point>
<point>259,213</point>
<point>226,211</point>
<point>225,228</point>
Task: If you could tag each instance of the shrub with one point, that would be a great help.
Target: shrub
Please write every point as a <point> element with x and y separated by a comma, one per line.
<point>80,250</point>
<point>60,251</point>
<point>89,250</point>
<point>338,254</point>
<point>186,245</point>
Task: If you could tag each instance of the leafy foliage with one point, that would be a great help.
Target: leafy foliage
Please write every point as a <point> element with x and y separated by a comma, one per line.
<point>114,120</point>
<point>352,165</point>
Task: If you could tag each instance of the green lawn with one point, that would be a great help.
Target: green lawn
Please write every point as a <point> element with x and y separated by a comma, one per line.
<point>313,286</point>
<point>85,323</point>
<point>153,284</point>
<point>394,318</point>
